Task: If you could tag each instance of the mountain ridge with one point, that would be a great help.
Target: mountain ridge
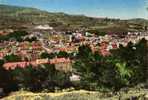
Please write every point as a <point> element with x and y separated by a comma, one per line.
<point>14,16</point>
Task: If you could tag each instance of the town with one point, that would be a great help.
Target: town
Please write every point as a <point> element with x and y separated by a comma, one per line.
<point>73,50</point>
<point>46,39</point>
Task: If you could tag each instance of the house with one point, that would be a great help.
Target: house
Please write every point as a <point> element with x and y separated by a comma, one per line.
<point>13,65</point>
<point>104,49</point>
<point>2,55</point>
<point>41,61</point>
<point>74,77</point>
<point>43,27</point>
<point>62,64</point>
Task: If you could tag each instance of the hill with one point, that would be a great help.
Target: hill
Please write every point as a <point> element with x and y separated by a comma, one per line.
<point>24,17</point>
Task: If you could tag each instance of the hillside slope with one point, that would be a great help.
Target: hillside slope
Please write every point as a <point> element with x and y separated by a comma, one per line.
<point>14,17</point>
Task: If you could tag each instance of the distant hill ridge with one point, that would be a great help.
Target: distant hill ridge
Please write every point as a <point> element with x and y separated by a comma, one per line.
<point>15,16</point>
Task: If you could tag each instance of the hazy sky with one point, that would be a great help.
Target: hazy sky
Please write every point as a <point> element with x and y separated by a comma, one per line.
<point>97,8</point>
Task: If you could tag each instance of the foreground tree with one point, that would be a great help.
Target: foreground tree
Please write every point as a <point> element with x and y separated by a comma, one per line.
<point>40,78</point>
<point>98,72</point>
<point>7,84</point>
<point>135,56</point>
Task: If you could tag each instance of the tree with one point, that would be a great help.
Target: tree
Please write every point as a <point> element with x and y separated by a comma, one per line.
<point>12,58</point>
<point>40,77</point>
<point>3,77</point>
<point>16,35</point>
<point>63,54</point>
<point>30,78</point>
<point>85,51</point>
<point>135,56</point>
<point>31,39</point>
<point>6,80</point>
<point>97,71</point>
<point>46,55</point>
<point>141,53</point>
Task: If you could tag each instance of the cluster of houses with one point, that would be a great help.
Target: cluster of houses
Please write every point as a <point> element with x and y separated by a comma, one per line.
<point>101,44</point>
<point>25,49</point>
<point>62,64</point>
<point>54,42</point>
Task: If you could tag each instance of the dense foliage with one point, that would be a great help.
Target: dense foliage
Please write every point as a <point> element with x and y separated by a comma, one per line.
<point>127,66</point>
<point>16,35</point>
<point>30,39</point>
<point>12,58</point>
<point>97,32</point>
<point>6,81</point>
<point>42,77</point>
<point>136,58</point>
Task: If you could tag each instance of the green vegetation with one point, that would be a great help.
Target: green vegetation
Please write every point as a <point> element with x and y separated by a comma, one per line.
<point>99,72</point>
<point>12,58</point>
<point>17,35</point>
<point>61,54</point>
<point>46,55</point>
<point>6,81</point>
<point>97,32</point>
<point>17,17</point>
<point>30,39</point>
<point>127,66</point>
<point>135,57</point>
<point>43,77</point>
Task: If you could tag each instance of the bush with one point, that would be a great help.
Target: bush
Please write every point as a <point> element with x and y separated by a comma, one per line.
<point>17,35</point>
<point>6,80</point>
<point>12,58</point>
<point>46,55</point>
<point>135,56</point>
<point>97,32</point>
<point>97,71</point>
<point>40,78</point>
<point>30,39</point>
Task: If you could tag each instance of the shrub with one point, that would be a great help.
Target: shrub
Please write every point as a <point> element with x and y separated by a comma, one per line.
<point>40,78</point>
<point>6,80</point>
<point>96,71</point>
<point>135,56</point>
<point>12,58</point>
<point>17,35</point>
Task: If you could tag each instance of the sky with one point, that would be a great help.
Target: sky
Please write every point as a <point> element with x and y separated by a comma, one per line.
<point>124,9</point>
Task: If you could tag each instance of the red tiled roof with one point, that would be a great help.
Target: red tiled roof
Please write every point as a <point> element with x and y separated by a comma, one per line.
<point>59,60</point>
<point>13,65</point>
